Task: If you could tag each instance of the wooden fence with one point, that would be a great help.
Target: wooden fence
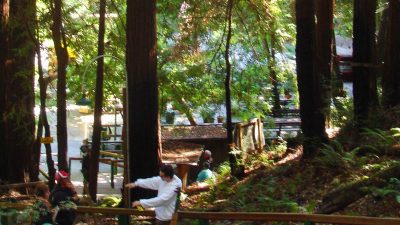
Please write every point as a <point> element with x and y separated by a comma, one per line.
<point>251,216</point>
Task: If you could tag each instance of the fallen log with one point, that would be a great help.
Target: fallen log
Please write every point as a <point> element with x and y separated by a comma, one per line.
<point>340,198</point>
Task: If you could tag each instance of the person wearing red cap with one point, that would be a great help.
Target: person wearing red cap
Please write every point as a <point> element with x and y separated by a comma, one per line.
<point>63,192</point>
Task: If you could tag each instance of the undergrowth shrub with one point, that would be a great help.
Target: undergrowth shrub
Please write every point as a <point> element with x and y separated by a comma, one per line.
<point>341,111</point>
<point>333,156</point>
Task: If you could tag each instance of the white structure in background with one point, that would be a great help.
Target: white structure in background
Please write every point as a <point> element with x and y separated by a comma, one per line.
<point>344,48</point>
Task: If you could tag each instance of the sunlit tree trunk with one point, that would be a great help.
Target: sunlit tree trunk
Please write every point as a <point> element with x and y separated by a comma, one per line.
<point>144,143</point>
<point>60,46</point>
<point>43,122</point>
<point>94,161</point>
<point>228,80</point>
<point>391,75</point>
<point>18,113</point>
<point>364,80</point>
<point>276,110</point>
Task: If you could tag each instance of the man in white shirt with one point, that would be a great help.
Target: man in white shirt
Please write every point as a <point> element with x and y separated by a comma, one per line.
<point>168,185</point>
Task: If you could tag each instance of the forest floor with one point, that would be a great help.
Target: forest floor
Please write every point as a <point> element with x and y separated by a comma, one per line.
<point>282,181</point>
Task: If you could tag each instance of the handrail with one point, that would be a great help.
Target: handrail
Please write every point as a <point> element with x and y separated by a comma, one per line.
<point>293,217</point>
<point>115,211</point>
<point>243,216</point>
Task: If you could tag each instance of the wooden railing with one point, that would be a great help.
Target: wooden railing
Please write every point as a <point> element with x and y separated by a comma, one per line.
<point>289,217</point>
<point>251,216</point>
<point>235,216</point>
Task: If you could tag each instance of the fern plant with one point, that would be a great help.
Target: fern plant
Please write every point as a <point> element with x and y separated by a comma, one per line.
<point>392,189</point>
<point>333,156</point>
<point>381,138</point>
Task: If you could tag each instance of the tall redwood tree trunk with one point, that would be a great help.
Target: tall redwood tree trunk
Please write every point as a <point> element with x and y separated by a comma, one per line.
<point>364,79</point>
<point>323,72</point>
<point>3,56</point>
<point>18,113</point>
<point>144,143</point>
<point>60,46</point>
<point>391,75</point>
<point>94,161</point>
<point>305,27</point>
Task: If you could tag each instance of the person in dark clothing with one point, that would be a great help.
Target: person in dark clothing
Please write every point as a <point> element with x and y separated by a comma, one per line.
<point>86,155</point>
<point>64,197</point>
<point>43,205</point>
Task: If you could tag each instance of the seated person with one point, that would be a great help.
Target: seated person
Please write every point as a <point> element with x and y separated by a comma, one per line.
<point>43,205</point>
<point>64,194</point>
<point>205,173</point>
<point>206,156</point>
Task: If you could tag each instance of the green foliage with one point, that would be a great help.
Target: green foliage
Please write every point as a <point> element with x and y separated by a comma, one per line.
<point>208,113</point>
<point>341,111</point>
<point>343,18</point>
<point>223,171</point>
<point>67,205</point>
<point>190,41</point>
<point>334,157</point>
<point>380,140</point>
<point>392,189</point>
<point>19,217</point>
<point>279,146</point>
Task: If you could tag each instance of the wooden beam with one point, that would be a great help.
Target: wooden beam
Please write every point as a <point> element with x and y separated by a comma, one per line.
<point>294,217</point>
<point>115,211</point>
<point>15,205</point>
<point>111,154</point>
<point>20,185</point>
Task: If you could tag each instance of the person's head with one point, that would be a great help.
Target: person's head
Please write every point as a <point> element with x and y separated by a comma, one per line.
<point>62,177</point>
<point>42,190</point>
<point>85,141</point>
<point>206,165</point>
<point>207,155</point>
<point>166,172</point>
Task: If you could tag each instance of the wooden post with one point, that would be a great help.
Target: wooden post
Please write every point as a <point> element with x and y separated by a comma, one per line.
<point>175,219</point>
<point>260,136</point>
<point>183,170</point>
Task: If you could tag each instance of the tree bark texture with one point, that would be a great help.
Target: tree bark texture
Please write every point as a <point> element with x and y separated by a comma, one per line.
<point>98,106</point>
<point>3,56</point>
<point>43,122</point>
<point>344,196</point>
<point>185,108</point>
<point>144,137</point>
<point>276,109</point>
<point>35,157</point>
<point>305,68</point>
<point>18,79</point>
<point>391,75</point>
<point>306,73</point>
<point>323,75</point>
<point>228,80</point>
<point>60,46</point>
<point>364,80</point>
<point>382,36</point>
